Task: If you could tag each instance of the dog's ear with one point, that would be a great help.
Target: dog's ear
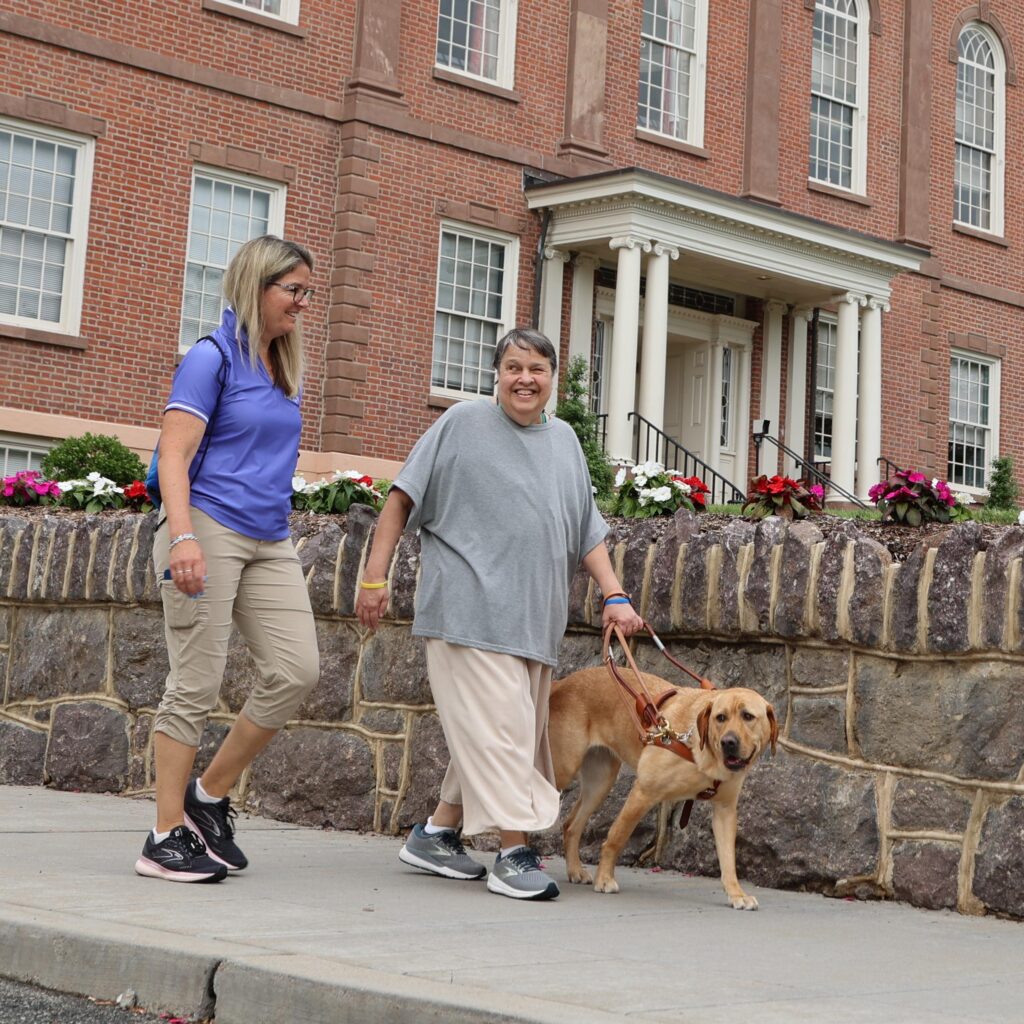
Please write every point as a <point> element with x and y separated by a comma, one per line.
<point>773,723</point>
<point>703,725</point>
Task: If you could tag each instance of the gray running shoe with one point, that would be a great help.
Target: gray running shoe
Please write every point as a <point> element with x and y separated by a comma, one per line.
<point>521,876</point>
<point>440,854</point>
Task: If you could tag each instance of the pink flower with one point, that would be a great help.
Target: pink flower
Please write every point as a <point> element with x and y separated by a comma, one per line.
<point>916,478</point>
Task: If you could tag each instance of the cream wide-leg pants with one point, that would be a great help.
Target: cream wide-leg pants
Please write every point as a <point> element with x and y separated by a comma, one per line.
<point>494,712</point>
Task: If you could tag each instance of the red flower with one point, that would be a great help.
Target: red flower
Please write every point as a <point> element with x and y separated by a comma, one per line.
<point>136,489</point>
<point>366,481</point>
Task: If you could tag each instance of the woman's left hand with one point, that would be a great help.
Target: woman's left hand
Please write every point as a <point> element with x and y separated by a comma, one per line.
<point>624,616</point>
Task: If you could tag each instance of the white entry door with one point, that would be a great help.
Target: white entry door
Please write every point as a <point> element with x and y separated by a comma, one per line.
<point>686,387</point>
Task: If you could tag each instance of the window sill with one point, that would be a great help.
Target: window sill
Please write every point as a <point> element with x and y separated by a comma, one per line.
<point>644,135</point>
<point>442,401</point>
<point>838,193</point>
<point>8,332</point>
<point>984,236</point>
<point>253,17</point>
<point>444,75</point>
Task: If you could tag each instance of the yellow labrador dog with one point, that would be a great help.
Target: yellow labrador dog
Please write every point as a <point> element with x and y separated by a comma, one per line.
<point>592,734</point>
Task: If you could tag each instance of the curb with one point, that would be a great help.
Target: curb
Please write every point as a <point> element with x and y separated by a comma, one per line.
<point>240,984</point>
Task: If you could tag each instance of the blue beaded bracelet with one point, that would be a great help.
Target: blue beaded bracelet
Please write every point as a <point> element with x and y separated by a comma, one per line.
<point>617,600</point>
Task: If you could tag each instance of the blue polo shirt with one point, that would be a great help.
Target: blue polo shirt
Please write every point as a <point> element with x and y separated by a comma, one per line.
<point>245,479</point>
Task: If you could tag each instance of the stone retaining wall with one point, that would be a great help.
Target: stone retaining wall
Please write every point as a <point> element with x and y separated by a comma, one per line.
<point>899,687</point>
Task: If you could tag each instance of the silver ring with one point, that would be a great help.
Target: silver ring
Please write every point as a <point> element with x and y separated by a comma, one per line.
<point>186,570</point>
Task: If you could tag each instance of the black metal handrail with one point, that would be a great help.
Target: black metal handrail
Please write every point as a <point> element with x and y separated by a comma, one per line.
<point>807,470</point>
<point>890,467</point>
<point>673,456</point>
<point>601,430</point>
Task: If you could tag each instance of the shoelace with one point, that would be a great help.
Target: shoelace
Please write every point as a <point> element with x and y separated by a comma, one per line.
<point>526,859</point>
<point>452,840</point>
<point>193,844</point>
<point>228,816</point>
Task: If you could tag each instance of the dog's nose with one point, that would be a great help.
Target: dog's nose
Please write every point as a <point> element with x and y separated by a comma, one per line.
<point>730,744</point>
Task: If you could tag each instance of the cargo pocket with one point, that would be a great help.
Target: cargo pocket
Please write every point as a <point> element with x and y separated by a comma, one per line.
<point>180,610</point>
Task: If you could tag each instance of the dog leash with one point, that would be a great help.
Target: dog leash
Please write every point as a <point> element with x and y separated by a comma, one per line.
<point>652,726</point>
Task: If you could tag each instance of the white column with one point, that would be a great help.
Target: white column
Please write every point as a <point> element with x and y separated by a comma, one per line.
<point>869,402</point>
<point>552,277</point>
<point>655,339</point>
<point>741,377</point>
<point>581,315</point>
<point>796,388</point>
<point>771,382</point>
<point>622,369</point>
<point>844,397</point>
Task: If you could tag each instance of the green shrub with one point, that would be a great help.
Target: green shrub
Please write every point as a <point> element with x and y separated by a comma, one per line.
<point>76,457</point>
<point>1002,488</point>
<point>574,409</point>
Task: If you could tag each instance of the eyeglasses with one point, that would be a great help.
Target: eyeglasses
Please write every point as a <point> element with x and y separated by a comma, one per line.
<point>296,291</point>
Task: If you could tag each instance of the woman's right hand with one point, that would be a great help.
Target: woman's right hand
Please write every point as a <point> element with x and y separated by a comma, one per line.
<point>188,567</point>
<point>371,605</point>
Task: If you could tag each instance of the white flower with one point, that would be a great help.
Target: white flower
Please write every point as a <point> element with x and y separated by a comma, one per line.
<point>639,479</point>
<point>348,474</point>
<point>1020,518</point>
<point>662,494</point>
<point>93,477</point>
<point>593,489</point>
<point>681,487</point>
<point>644,498</point>
<point>101,485</point>
<point>620,477</point>
<point>650,469</point>
<point>70,485</point>
<point>299,483</point>
<point>963,497</point>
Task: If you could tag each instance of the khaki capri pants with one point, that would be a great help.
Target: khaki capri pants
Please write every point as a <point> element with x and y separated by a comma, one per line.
<point>258,585</point>
<point>494,713</point>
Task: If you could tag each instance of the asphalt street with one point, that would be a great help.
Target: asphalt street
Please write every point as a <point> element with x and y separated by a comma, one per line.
<point>26,1004</point>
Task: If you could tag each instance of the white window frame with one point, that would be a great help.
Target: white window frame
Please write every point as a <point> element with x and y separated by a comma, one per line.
<point>36,447</point>
<point>694,135</point>
<point>289,10</point>
<point>78,237</point>
<point>831,324</point>
<point>994,399</point>
<point>508,299</point>
<point>998,170</point>
<point>727,400</point>
<point>859,140</point>
<point>275,220</point>
<point>506,55</point>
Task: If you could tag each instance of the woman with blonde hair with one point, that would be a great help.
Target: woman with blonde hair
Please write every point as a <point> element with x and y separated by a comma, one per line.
<point>223,554</point>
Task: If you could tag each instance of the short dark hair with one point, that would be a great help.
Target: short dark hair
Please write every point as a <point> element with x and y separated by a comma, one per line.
<point>524,338</point>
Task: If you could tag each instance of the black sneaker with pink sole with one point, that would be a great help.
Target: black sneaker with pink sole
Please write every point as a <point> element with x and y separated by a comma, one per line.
<point>215,825</point>
<point>181,857</point>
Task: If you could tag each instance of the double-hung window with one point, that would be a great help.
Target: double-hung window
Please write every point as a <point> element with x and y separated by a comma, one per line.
<point>824,389</point>
<point>286,10</point>
<point>476,287</point>
<point>973,418</point>
<point>18,453</point>
<point>45,180</point>
<point>227,210</point>
<point>673,48</point>
<point>980,131</point>
<point>477,38</point>
<point>839,86</point>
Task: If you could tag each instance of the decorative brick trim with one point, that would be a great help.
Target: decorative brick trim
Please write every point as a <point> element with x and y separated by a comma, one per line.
<point>982,12</point>
<point>762,103</point>
<point>254,17</point>
<point>838,193</point>
<point>8,332</point>
<point>663,140</point>
<point>979,343</point>
<point>931,385</point>
<point>480,215</point>
<point>983,290</point>
<point>873,10</point>
<point>444,75</point>
<point>55,115</point>
<point>248,161</point>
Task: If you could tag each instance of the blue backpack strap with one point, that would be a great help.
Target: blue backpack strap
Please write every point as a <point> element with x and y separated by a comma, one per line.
<point>152,478</point>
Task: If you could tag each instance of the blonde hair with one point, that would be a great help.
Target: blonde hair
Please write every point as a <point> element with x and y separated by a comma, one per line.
<point>257,265</point>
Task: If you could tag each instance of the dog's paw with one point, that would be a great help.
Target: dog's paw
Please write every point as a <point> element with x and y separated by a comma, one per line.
<point>580,876</point>
<point>606,885</point>
<point>743,902</point>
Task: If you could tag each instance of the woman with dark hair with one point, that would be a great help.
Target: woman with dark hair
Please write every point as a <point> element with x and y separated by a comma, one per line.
<point>223,554</point>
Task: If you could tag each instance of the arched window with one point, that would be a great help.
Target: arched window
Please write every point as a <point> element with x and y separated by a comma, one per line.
<point>839,94</point>
<point>980,130</point>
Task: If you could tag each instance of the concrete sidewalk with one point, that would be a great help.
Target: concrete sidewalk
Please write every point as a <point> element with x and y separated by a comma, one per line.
<point>331,927</point>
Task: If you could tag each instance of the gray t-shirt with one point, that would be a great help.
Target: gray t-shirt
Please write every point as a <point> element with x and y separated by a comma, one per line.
<point>506,513</point>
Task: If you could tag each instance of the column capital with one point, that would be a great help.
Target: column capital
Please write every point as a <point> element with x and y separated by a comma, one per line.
<point>551,253</point>
<point>802,313</point>
<point>776,306</point>
<point>664,249</point>
<point>630,242</point>
<point>880,304</point>
<point>852,297</point>
<point>585,260</point>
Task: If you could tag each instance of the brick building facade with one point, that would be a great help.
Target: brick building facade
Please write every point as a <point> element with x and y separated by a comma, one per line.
<point>797,211</point>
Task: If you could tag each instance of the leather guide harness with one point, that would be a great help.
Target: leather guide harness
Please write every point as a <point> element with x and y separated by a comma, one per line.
<point>652,726</point>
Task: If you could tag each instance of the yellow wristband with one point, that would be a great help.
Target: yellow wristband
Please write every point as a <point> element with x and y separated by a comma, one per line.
<point>372,586</point>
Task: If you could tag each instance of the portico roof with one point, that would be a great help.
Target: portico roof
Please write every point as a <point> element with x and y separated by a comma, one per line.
<point>724,241</point>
